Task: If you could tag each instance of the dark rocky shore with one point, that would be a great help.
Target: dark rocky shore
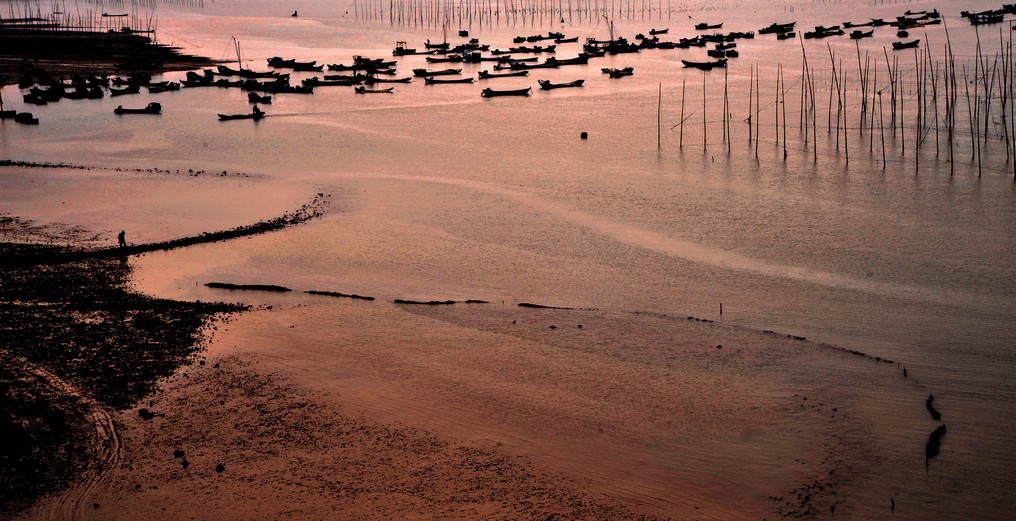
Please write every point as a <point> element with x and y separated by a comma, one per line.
<point>73,335</point>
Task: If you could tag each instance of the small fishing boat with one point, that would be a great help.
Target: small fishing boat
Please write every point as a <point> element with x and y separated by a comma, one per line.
<point>857,35</point>
<point>365,90</point>
<point>254,97</point>
<point>163,86</point>
<point>513,74</point>
<point>777,28</point>
<point>429,45</point>
<point>315,82</point>
<point>706,66</point>
<point>567,40</point>
<point>706,26</point>
<point>547,85</point>
<point>255,115</point>
<point>429,74</point>
<point>617,73</point>
<point>536,49</point>
<point>438,81</point>
<point>370,80</point>
<point>26,118</point>
<point>654,32</point>
<point>786,36</point>
<point>151,108</point>
<point>130,89</point>
<point>620,73</point>
<point>906,45</point>
<point>520,66</point>
<point>490,93</point>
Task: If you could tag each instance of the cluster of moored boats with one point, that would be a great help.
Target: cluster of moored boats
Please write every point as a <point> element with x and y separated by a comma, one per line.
<point>369,75</point>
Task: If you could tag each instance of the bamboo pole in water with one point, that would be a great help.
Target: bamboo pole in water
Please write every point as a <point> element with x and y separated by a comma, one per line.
<point>681,142</point>
<point>881,126</point>
<point>783,93</point>
<point>751,79</point>
<point>704,140</point>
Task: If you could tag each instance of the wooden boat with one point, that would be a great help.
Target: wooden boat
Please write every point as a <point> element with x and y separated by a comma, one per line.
<point>706,66</point>
<point>429,74</point>
<point>490,93</point>
<point>906,45</point>
<point>521,66</point>
<point>776,27</point>
<point>857,35</point>
<point>163,86</point>
<point>26,118</point>
<point>654,32</point>
<point>438,81</point>
<point>130,89</point>
<point>371,80</point>
<point>902,34</point>
<point>315,82</point>
<point>254,97</point>
<point>547,85</point>
<point>706,26</point>
<point>823,32</point>
<point>280,63</point>
<point>256,115</point>
<point>567,40</point>
<point>786,36</point>
<point>429,45</point>
<point>151,108</point>
<point>247,73</point>
<point>513,74</point>
<point>537,49</point>
<point>618,73</point>
<point>8,114</point>
<point>448,58</point>
<point>365,90</point>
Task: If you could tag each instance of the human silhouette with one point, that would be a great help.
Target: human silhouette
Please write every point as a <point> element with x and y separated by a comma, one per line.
<point>294,13</point>
<point>121,237</point>
<point>257,110</point>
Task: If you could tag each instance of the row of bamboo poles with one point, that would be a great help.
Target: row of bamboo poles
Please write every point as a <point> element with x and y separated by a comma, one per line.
<point>490,13</point>
<point>470,13</point>
<point>930,107</point>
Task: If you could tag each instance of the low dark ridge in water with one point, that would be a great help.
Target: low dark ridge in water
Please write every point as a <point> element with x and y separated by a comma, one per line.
<point>337,294</point>
<point>249,287</point>
<point>37,256</point>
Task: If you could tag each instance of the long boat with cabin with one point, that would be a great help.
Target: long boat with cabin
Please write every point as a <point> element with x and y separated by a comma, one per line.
<point>428,73</point>
<point>439,81</point>
<point>151,108</point>
<point>548,85</point>
<point>912,44</point>
<point>513,74</point>
<point>705,66</point>
<point>365,90</point>
<point>490,93</point>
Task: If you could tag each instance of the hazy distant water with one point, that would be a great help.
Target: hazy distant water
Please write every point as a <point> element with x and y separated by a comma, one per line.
<point>440,194</point>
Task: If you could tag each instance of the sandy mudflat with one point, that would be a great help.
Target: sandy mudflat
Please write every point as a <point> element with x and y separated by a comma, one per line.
<point>285,455</point>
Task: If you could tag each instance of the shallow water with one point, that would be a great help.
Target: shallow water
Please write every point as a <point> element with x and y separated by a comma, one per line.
<point>438,193</point>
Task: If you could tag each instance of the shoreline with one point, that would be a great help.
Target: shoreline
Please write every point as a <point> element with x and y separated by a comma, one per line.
<point>65,53</point>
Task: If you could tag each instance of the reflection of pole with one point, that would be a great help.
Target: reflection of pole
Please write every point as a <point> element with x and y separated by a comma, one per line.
<point>659,109</point>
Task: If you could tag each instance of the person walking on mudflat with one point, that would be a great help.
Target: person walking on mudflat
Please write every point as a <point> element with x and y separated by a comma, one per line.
<point>122,238</point>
